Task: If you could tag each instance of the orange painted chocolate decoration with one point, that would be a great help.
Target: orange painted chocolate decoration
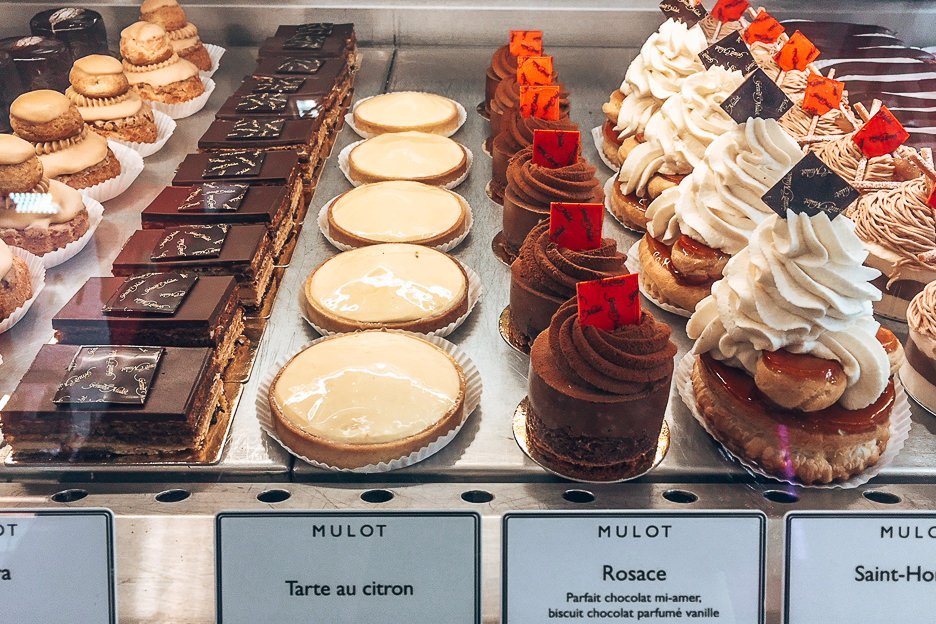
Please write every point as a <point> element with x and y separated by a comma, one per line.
<point>526,42</point>
<point>534,70</point>
<point>764,29</point>
<point>887,339</point>
<point>541,102</point>
<point>797,53</point>
<point>822,94</point>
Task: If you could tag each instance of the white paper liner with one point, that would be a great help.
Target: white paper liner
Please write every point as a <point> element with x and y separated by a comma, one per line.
<point>36,276</point>
<point>446,247</point>
<point>899,431</point>
<point>344,154</point>
<point>608,190</point>
<point>475,291</point>
<point>69,251</point>
<point>215,52</point>
<point>633,265</point>
<point>165,126</point>
<point>186,109</point>
<point>131,166</point>
<point>349,116</point>
<point>598,138</point>
<point>473,389</point>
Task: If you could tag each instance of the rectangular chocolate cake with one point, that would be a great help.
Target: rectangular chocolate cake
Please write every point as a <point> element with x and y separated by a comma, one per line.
<point>242,251</point>
<point>272,107</point>
<point>92,402</point>
<point>214,202</point>
<point>322,40</point>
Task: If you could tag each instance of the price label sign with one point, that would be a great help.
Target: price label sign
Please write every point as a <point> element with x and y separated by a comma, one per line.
<point>57,567</point>
<point>656,568</point>
<point>860,568</point>
<point>348,567</point>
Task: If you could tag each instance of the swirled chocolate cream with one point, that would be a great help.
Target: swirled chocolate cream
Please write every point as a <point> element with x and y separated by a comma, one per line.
<point>918,374</point>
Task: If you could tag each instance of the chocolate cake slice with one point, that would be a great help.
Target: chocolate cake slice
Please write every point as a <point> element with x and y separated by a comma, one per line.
<point>322,40</point>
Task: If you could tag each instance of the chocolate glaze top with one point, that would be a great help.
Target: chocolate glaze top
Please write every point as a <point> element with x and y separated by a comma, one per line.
<point>241,245</point>
<point>278,167</point>
<point>259,204</point>
<point>532,185</point>
<point>633,360</point>
<point>555,270</point>
<point>259,133</point>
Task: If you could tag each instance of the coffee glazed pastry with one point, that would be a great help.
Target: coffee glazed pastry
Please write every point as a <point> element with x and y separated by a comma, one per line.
<point>675,139</point>
<point>15,282</point>
<point>696,227</point>
<point>531,188</point>
<point>388,286</point>
<point>70,152</point>
<point>898,228</point>
<point>183,34</point>
<point>544,275</point>
<point>844,157</point>
<point>106,102</point>
<point>397,211</point>
<point>37,233</point>
<point>414,156</point>
<point>918,373</point>
<point>666,58</point>
<point>154,69</point>
<point>793,372</point>
<point>407,111</point>
<point>597,397</point>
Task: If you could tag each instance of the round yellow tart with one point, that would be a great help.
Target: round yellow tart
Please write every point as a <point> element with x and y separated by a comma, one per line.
<point>406,110</point>
<point>397,211</point>
<point>392,286</point>
<point>417,156</point>
<point>354,400</point>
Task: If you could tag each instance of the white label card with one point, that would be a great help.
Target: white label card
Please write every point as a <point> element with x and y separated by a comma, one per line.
<point>656,568</point>
<point>860,568</point>
<point>348,567</point>
<point>57,567</point>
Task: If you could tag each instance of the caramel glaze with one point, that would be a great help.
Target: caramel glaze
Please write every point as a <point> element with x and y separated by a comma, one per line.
<point>661,253</point>
<point>831,421</point>
<point>694,248</point>
<point>610,134</point>
<point>887,339</point>
<point>801,366</point>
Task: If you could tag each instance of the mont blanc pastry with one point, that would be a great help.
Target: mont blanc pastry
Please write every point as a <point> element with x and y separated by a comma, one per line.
<point>407,110</point>
<point>919,371</point>
<point>154,69</point>
<point>358,399</point>
<point>15,282</point>
<point>183,35</point>
<point>70,152</point>
<point>106,102</point>
<point>37,233</point>
<point>844,157</point>
<point>415,156</point>
<point>793,372</point>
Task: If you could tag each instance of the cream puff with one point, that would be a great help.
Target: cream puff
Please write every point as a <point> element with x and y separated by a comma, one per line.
<point>183,35</point>
<point>154,69</point>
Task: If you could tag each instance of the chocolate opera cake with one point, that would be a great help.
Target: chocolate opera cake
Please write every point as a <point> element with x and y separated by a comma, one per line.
<point>321,40</point>
<point>105,401</point>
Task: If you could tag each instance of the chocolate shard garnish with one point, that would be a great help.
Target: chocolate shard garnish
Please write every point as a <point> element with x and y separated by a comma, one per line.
<point>262,103</point>
<point>212,197</point>
<point>689,12</point>
<point>299,66</point>
<point>576,226</point>
<point>278,84</point>
<point>757,96</point>
<point>234,164</point>
<point>609,303</point>
<point>256,129</point>
<point>191,242</point>
<point>731,53</point>
<point>109,374</point>
<point>810,187</point>
<point>158,294</point>
<point>304,41</point>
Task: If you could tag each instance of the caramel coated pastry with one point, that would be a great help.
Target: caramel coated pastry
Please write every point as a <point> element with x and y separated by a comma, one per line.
<point>631,209</point>
<point>661,284</point>
<point>44,115</point>
<point>143,43</point>
<point>95,174</point>
<point>98,76</point>
<point>166,13</point>
<point>20,168</point>
<point>799,381</point>
<point>612,107</point>
<point>15,283</point>
<point>697,261</point>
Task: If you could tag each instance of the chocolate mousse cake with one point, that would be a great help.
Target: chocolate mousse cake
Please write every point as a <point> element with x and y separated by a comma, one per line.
<point>42,62</point>
<point>597,397</point>
<point>506,103</point>
<point>517,134</point>
<point>242,251</point>
<point>323,40</point>
<point>271,106</point>
<point>77,402</point>
<point>503,65</point>
<point>544,275</point>
<point>329,81</point>
<point>82,30</point>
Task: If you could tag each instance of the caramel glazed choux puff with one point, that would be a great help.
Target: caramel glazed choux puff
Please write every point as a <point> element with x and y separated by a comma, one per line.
<point>69,151</point>
<point>183,35</point>
<point>154,69</point>
<point>106,102</point>
<point>36,232</point>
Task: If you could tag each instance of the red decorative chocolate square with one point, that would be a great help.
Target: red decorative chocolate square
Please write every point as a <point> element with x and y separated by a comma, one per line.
<point>822,94</point>
<point>797,53</point>
<point>555,148</point>
<point>576,226</point>
<point>526,42</point>
<point>609,303</point>
<point>534,70</point>
<point>541,102</point>
<point>730,10</point>
<point>765,29</point>
<point>881,134</point>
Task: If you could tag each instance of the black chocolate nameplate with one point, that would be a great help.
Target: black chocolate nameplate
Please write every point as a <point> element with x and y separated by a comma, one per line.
<point>150,293</point>
<point>234,164</point>
<point>262,103</point>
<point>304,41</point>
<point>191,242</point>
<point>758,96</point>
<point>256,129</point>
<point>810,187</point>
<point>211,197</point>
<point>731,53</point>
<point>113,375</point>
<point>316,28</point>
<point>686,11</point>
<point>278,84</point>
<point>299,66</point>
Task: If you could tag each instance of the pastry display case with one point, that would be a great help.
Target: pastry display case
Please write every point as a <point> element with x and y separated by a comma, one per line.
<point>239,224</point>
